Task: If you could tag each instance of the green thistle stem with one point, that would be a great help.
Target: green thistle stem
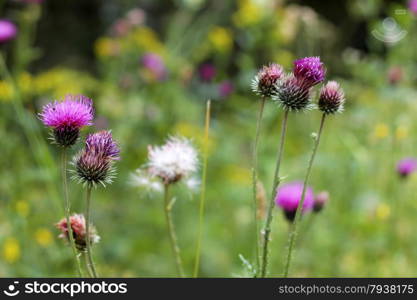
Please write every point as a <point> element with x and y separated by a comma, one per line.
<point>277,180</point>
<point>293,230</point>
<point>255,179</point>
<point>171,231</point>
<point>90,264</point>
<point>68,209</point>
<point>203,191</point>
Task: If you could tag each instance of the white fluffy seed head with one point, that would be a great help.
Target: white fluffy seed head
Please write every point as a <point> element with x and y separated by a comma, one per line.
<point>142,179</point>
<point>174,160</point>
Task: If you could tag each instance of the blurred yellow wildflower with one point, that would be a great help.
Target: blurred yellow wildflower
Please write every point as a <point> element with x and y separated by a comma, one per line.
<point>105,47</point>
<point>58,82</point>
<point>383,211</point>
<point>146,39</point>
<point>238,174</point>
<point>22,208</point>
<point>248,13</point>
<point>381,131</point>
<point>401,132</point>
<point>221,39</point>
<point>43,237</point>
<point>11,250</point>
<point>6,91</point>
<point>284,58</point>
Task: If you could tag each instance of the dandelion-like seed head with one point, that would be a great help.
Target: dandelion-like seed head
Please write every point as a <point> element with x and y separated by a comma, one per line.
<point>143,179</point>
<point>264,82</point>
<point>67,117</point>
<point>95,163</point>
<point>332,98</point>
<point>292,95</point>
<point>174,160</point>
<point>289,196</point>
<point>406,166</point>
<point>320,200</point>
<point>309,71</point>
<point>79,232</point>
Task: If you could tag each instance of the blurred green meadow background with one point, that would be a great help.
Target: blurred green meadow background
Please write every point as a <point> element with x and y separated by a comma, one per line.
<point>211,50</point>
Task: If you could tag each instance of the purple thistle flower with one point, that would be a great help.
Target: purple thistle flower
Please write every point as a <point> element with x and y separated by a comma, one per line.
<point>320,200</point>
<point>309,70</point>
<point>291,94</point>
<point>155,65</point>
<point>406,166</point>
<point>67,117</point>
<point>95,163</point>
<point>412,6</point>
<point>289,196</point>
<point>207,72</point>
<point>102,143</point>
<point>8,31</point>
<point>332,98</point>
<point>265,80</point>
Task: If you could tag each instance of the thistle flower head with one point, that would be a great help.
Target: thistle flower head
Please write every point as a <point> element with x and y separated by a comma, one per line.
<point>320,200</point>
<point>332,98</point>
<point>289,196</point>
<point>264,82</point>
<point>291,94</point>
<point>406,166</point>
<point>78,226</point>
<point>67,117</point>
<point>95,163</point>
<point>309,70</point>
<point>174,160</point>
<point>8,31</point>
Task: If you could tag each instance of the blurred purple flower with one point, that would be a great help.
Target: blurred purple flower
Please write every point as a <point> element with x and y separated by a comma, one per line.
<point>8,31</point>
<point>289,196</point>
<point>309,70</point>
<point>395,74</point>
<point>406,166</point>
<point>225,88</point>
<point>154,63</point>
<point>207,72</point>
<point>412,6</point>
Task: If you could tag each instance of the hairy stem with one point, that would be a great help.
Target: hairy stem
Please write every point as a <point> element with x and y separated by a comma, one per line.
<point>267,229</point>
<point>293,230</point>
<point>255,179</point>
<point>90,264</point>
<point>203,191</point>
<point>67,206</point>
<point>171,232</point>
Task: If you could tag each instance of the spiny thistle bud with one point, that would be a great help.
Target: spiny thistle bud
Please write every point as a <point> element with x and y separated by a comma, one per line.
<point>332,98</point>
<point>173,161</point>
<point>264,82</point>
<point>292,95</point>
<point>66,118</point>
<point>289,196</point>
<point>406,167</point>
<point>95,163</point>
<point>309,71</point>
<point>78,226</point>
<point>320,201</point>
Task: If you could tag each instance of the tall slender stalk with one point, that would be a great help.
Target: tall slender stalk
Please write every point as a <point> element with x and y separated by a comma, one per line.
<point>255,180</point>
<point>67,206</point>
<point>203,191</point>
<point>267,229</point>
<point>171,231</point>
<point>293,232</point>
<point>90,264</point>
